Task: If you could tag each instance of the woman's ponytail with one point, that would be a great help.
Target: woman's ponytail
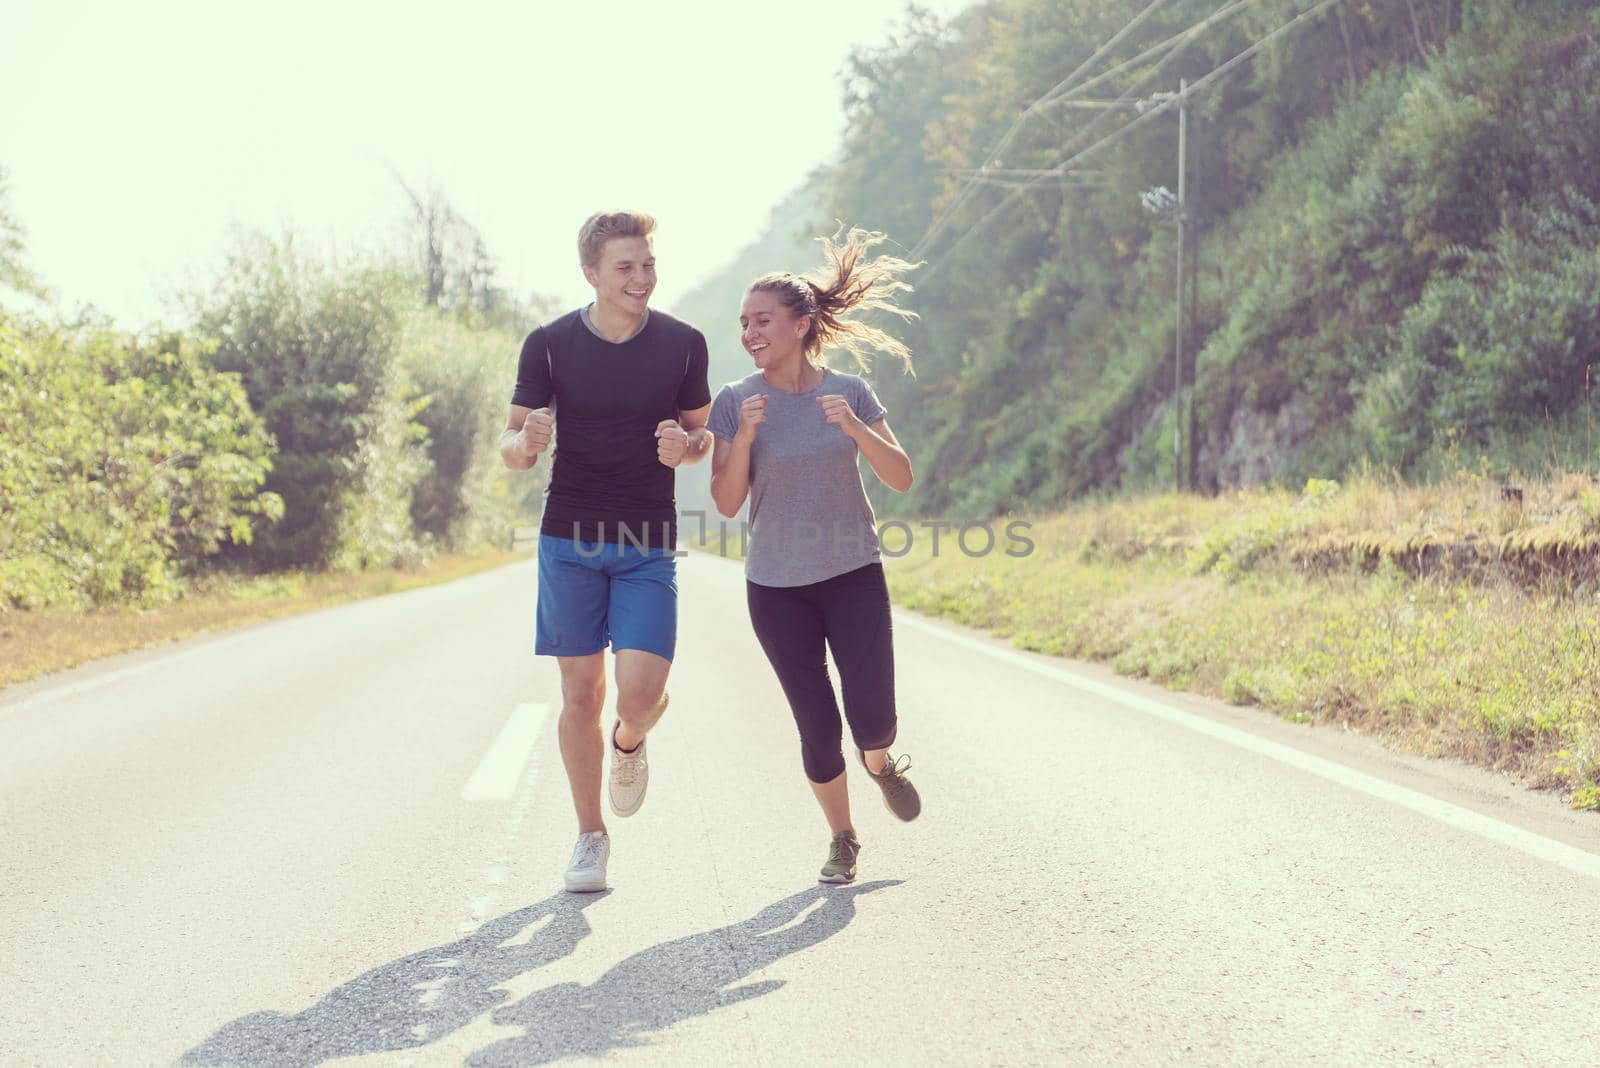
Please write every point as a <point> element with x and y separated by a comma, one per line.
<point>850,282</point>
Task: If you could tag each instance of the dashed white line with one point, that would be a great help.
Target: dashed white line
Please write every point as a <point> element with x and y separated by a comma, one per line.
<point>500,770</point>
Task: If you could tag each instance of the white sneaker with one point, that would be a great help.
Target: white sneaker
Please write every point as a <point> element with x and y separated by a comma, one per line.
<point>587,872</point>
<point>630,774</point>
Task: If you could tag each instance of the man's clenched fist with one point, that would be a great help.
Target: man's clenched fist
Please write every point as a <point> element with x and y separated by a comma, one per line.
<point>537,430</point>
<point>672,441</point>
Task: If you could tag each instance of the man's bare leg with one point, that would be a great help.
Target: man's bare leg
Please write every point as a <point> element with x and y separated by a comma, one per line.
<point>583,695</point>
<point>641,694</point>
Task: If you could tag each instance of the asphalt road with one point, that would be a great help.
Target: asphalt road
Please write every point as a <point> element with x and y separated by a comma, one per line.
<point>339,838</point>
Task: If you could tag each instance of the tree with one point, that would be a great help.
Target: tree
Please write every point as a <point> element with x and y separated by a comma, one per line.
<point>318,353</point>
<point>14,272</point>
<point>456,271</point>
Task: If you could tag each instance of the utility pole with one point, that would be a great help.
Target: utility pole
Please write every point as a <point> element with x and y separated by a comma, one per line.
<point>1176,209</point>
<point>1192,329</point>
<point>1161,202</point>
<point>1177,352</point>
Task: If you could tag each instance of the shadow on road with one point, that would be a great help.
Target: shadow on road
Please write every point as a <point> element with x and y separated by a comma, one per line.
<point>420,998</point>
<point>409,1002</point>
<point>674,981</point>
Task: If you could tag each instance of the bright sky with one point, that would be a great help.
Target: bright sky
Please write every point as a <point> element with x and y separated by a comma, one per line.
<point>138,134</point>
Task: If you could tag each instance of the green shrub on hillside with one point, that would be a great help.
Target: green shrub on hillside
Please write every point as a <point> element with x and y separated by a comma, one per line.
<point>1436,284</point>
<point>1391,205</point>
<point>1498,346</point>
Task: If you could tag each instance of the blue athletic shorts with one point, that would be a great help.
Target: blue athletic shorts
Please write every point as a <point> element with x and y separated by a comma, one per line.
<point>594,594</point>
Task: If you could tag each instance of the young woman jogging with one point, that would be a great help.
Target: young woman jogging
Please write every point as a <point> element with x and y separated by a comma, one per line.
<point>787,438</point>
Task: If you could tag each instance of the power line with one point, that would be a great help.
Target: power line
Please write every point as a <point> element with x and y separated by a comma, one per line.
<point>1016,126</point>
<point>1159,109</point>
<point>1253,49</point>
<point>1115,39</point>
<point>1018,172</point>
<point>1173,47</point>
<point>1035,183</point>
<point>1177,40</point>
<point>1060,92</point>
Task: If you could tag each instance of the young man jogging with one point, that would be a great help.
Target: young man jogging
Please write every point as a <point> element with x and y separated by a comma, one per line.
<point>628,387</point>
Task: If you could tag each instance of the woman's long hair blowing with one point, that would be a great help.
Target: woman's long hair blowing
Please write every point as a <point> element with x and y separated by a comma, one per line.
<point>851,281</point>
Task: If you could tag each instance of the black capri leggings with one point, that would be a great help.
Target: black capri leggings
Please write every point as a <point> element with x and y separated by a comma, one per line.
<point>850,612</point>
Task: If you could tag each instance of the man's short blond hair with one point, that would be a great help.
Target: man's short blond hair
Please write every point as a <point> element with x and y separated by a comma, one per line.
<point>602,226</point>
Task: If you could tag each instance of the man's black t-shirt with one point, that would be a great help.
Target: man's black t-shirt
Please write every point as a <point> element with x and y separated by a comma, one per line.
<point>606,483</point>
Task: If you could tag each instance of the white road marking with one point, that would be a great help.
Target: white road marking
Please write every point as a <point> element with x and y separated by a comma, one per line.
<point>73,689</point>
<point>1534,845</point>
<point>501,767</point>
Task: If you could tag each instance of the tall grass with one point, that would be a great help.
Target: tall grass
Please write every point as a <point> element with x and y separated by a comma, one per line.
<point>1324,606</point>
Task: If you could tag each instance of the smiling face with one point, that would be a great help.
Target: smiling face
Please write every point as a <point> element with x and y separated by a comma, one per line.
<point>770,332</point>
<point>625,276</point>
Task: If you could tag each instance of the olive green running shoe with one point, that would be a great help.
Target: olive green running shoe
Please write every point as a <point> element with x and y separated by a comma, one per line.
<point>899,796</point>
<point>841,866</point>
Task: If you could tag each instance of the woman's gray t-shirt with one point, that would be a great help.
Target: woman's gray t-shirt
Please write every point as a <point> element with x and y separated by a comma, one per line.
<point>809,516</point>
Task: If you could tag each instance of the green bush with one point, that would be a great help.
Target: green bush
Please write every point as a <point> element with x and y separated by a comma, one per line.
<point>318,352</point>
<point>1500,345</point>
<point>465,498</point>
<point>123,464</point>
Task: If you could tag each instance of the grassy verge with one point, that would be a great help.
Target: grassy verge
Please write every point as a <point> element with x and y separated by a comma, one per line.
<point>36,643</point>
<point>1220,596</point>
